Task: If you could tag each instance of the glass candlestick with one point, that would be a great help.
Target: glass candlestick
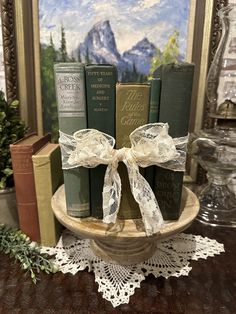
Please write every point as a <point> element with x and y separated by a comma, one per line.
<point>215,150</point>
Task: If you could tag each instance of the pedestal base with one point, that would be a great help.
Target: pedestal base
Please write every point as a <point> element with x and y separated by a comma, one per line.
<point>129,253</point>
<point>124,242</point>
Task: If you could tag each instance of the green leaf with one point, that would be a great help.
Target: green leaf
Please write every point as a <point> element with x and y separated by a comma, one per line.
<point>3,183</point>
<point>12,128</point>
<point>27,253</point>
<point>2,115</point>
<point>8,171</point>
<point>14,104</point>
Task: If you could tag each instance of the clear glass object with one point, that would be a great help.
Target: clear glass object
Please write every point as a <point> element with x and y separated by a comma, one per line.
<point>221,79</point>
<point>215,149</point>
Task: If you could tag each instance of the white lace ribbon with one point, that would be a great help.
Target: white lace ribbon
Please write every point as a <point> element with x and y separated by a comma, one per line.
<point>150,145</point>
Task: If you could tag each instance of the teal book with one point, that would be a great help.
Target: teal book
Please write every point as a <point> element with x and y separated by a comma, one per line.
<point>70,92</point>
<point>155,92</point>
<point>101,98</point>
<point>175,101</point>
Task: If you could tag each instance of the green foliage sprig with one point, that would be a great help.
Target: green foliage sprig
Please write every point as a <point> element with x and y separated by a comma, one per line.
<point>170,54</point>
<point>19,246</point>
<point>12,128</point>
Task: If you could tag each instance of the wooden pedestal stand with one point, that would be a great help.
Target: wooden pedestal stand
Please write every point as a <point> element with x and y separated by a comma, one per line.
<point>124,242</point>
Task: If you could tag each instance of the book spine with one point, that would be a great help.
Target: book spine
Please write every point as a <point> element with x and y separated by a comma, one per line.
<point>21,155</point>
<point>25,191</point>
<point>132,108</point>
<point>100,96</point>
<point>175,104</point>
<point>70,93</point>
<point>48,177</point>
<point>155,91</point>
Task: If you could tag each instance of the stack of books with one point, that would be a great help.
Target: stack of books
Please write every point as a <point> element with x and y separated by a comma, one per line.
<point>89,96</point>
<point>37,175</point>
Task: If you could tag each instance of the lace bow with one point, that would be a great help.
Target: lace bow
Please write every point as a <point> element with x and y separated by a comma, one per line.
<point>150,145</point>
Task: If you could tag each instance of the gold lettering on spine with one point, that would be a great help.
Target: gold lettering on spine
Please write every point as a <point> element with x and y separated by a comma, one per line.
<point>98,73</point>
<point>133,107</point>
<point>101,89</point>
<point>132,110</point>
<point>133,94</point>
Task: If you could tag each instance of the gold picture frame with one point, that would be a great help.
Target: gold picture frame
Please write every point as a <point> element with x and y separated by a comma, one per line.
<point>22,59</point>
<point>9,48</point>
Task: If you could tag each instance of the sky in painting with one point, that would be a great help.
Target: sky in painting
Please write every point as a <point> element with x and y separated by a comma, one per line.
<point>131,20</point>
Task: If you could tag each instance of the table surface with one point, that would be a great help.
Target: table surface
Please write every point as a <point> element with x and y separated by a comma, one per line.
<point>209,288</point>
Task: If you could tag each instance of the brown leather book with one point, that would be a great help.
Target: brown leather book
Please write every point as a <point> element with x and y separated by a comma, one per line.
<point>21,155</point>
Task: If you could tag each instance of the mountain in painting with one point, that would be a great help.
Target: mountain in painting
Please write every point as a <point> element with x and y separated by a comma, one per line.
<point>99,46</point>
<point>140,55</point>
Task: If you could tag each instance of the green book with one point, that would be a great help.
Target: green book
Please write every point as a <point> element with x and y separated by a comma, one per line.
<point>132,110</point>
<point>48,176</point>
<point>100,94</point>
<point>70,92</point>
<point>155,93</point>
<point>176,92</point>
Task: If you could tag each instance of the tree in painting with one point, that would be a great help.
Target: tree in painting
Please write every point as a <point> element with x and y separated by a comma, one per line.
<point>63,52</point>
<point>170,54</point>
<point>49,55</point>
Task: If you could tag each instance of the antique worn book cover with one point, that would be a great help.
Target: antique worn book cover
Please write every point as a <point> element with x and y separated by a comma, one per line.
<point>132,110</point>
<point>70,92</point>
<point>21,155</point>
<point>48,176</point>
<point>176,92</point>
<point>100,98</point>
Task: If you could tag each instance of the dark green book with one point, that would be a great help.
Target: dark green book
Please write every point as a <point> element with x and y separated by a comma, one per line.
<point>70,92</point>
<point>176,92</point>
<point>100,93</point>
<point>155,92</point>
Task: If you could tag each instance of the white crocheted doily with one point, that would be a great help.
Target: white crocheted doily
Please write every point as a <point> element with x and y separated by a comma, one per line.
<point>117,283</point>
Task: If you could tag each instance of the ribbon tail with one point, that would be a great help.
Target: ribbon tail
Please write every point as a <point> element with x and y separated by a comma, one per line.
<point>111,194</point>
<point>68,148</point>
<point>144,196</point>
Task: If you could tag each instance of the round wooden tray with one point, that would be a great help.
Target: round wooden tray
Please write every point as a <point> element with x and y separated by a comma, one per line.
<point>124,242</point>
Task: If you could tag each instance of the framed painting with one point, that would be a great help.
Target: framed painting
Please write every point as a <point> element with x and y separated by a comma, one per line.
<point>8,68</point>
<point>2,69</point>
<point>134,35</point>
